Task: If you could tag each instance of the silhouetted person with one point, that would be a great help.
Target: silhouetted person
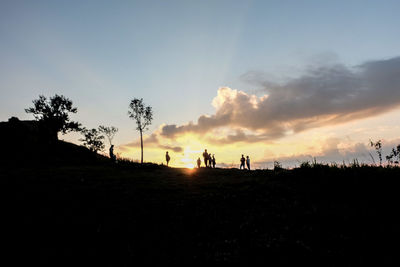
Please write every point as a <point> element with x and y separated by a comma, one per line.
<point>242,162</point>
<point>209,160</point>
<point>213,161</point>
<point>112,156</point>
<point>248,162</point>
<point>198,163</point>
<point>205,156</point>
<point>167,158</point>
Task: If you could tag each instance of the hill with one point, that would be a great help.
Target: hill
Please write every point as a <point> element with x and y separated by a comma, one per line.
<point>64,205</point>
<point>30,143</point>
<point>118,215</point>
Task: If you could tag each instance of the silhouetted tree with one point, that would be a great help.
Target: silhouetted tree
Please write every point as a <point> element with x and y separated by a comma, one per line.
<point>143,115</point>
<point>54,114</point>
<point>92,139</point>
<point>109,132</point>
<point>378,148</point>
<point>277,166</point>
<point>394,156</point>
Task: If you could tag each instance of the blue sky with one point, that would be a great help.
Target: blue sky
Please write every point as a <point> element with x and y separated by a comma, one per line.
<point>175,54</point>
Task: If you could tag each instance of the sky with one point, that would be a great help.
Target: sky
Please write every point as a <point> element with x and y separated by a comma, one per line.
<point>276,80</point>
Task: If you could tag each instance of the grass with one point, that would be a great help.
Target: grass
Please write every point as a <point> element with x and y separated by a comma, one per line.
<point>122,214</point>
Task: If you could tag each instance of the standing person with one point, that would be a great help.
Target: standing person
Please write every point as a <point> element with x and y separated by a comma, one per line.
<point>242,161</point>
<point>112,156</point>
<point>248,162</point>
<point>205,156</point>
<point>198,163</point>
<point>213,161</point>
<point>167,158</point>
<point>209,160</point>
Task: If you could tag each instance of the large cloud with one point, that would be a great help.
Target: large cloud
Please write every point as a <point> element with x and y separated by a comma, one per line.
<point>325,95</point>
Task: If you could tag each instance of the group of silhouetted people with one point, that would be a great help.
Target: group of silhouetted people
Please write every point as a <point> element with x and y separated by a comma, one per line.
<point>244,161</point>
<point>209,161</point>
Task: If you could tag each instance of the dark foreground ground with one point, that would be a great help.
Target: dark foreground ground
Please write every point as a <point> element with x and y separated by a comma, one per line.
<point>103,214</point>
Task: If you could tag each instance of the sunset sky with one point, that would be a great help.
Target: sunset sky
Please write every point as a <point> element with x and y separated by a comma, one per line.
<point>275,80</point>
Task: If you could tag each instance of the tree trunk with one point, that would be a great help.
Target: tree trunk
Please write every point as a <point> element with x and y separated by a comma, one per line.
<point>141,146</point>
<point>53,137</point>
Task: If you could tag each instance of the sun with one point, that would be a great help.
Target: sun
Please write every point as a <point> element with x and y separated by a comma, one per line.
<point>187,161</point>
<point>190,166</point>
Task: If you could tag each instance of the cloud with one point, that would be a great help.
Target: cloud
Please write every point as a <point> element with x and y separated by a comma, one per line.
<point>331,152</point>
<point>151,141</point>
<point>334,150</point>
<point>173,148</point>
<point>324,95</point>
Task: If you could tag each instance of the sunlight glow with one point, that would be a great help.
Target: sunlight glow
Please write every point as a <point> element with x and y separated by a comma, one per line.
<point>190,166</point>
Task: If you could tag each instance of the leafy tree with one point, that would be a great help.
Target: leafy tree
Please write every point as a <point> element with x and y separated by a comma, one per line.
<point>54,114</point>
<point>142,115</point>
<point>92,139</point>
<point>109,132</point>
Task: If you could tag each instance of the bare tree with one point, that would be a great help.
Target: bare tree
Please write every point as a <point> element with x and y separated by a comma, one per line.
<point>378,148</point>
<point>54,114</point>
<point>142,115</point>
<point>109,132</point>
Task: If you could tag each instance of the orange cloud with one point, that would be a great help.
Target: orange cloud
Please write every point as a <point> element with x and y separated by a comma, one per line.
<point>326,95</point>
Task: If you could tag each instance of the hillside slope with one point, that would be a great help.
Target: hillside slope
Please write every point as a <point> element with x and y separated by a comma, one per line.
<point>118,215</point>
<point>29,143</point>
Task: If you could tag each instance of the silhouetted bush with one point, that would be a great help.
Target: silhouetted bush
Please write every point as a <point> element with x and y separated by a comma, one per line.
<point>92,139</point>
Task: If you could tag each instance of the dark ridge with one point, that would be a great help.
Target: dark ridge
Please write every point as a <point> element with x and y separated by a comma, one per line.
<point>30,143</point>
<point>72,207</point>
<point>119,215</point>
